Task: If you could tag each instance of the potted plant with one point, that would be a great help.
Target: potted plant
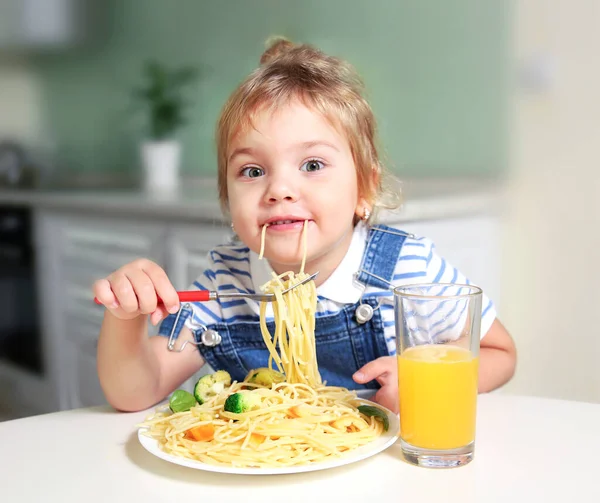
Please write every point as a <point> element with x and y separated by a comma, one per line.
<point>162,95</point>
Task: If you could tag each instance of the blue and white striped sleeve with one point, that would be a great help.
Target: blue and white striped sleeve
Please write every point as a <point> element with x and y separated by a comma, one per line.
<point>439,270</point>
<point>420,263</point>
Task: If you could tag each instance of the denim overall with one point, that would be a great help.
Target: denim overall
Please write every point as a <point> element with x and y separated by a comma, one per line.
<point>343,344</point>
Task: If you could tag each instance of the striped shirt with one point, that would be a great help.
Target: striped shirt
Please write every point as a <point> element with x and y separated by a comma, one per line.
<point>235,268</point>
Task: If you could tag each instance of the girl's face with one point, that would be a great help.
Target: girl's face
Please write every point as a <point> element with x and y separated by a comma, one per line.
<point>292,167</point>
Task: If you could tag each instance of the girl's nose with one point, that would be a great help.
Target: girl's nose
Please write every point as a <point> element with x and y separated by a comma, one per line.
<point>281,188</point>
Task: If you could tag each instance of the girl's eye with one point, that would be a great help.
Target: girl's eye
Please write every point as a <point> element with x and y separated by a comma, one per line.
<point>252,172</point>
<point>312,165</point>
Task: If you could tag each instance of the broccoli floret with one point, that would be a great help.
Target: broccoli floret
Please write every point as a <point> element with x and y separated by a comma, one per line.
<point>222,376</point>
<point>242,401</point>
<point>211,385</point>
<point>265,377</point>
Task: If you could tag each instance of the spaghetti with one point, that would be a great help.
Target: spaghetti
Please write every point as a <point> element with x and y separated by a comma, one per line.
<point>304,247</point>
<point>294,425</point>
<point>295,422</point>
<point>262,241</point>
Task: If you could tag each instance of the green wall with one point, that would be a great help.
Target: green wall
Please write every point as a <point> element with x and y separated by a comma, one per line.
<point>436,72</point>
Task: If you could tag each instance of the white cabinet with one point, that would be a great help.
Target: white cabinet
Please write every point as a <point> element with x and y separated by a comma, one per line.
<point>77,251</point>
<point>83,385</point>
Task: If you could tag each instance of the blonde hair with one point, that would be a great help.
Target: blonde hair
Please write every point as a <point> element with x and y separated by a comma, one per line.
<point>324,83</point>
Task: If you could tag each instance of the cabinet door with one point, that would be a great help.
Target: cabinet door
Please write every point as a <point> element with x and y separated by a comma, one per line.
<point>94,247</point>
<point>74,252</point>
<point>84,385</point>
<point>188,249</point>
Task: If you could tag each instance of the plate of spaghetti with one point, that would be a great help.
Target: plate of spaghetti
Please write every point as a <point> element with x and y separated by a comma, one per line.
<point>269,440</point>
<point>281,418</point>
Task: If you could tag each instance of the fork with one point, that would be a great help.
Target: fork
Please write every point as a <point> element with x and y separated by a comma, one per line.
<point>208,295</point>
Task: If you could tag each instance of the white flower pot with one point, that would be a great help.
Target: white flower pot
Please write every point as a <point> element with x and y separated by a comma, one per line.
<point>161,161</point>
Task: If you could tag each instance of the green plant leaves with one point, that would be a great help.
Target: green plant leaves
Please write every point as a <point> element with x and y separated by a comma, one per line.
<point>163,95</point>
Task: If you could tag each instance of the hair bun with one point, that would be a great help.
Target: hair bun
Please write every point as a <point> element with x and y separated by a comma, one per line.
<point>276,46</point>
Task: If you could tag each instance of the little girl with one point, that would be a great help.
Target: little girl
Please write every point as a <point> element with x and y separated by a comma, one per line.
<point>296,144</point>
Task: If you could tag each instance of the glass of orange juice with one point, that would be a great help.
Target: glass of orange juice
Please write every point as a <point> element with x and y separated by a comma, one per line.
<point>437,335</point>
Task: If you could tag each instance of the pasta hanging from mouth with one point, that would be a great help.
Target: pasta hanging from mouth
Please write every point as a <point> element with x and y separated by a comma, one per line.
<point>304,249</point>
<point>262,241</point>
<point>304,246</point>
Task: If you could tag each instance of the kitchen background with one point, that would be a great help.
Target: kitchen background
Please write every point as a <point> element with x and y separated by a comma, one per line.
<point>436,73</point>
<point>485,110</point>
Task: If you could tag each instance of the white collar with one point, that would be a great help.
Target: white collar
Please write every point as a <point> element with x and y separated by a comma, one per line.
<point>340,287</point>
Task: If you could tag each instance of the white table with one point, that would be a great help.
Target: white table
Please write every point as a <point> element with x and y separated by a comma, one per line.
<point>527,449</point>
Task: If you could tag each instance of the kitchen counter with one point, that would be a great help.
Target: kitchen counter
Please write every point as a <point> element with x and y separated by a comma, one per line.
<point>528,449</point>
<point>423,199</point>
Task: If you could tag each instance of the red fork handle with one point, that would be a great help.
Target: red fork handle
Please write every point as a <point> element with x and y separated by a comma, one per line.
<point>185,296</point>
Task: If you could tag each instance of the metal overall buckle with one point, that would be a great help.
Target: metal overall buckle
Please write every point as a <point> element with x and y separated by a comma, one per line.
<point>209,337</point>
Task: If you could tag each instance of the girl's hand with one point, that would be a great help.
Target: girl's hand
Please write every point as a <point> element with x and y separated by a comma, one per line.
<point>385,370</point>
<point>132,291</point>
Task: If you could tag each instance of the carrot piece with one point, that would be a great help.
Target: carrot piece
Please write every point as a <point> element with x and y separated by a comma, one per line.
<point>202,433</point>
<point>256,439</point>
<point>296,411</point>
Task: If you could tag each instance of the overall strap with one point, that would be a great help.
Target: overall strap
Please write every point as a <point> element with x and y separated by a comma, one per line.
<point>381,256</point>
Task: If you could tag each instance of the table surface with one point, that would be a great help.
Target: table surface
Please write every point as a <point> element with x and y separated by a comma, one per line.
<point>526,448</point>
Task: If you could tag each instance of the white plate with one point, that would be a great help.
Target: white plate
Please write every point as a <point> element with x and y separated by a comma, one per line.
<point>366,451</point>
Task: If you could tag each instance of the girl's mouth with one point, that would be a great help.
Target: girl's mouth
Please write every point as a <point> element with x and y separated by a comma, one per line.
<point>285,224</point>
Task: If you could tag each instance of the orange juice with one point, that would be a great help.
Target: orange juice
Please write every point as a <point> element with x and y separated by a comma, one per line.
<point>438,396</point>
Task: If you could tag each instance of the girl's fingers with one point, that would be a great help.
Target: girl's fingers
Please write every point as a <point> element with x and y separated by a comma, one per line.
<point>388,397</point>
<point>124,292</point>
<point>104,293</point>
<point>385,371</point>
<point>158,315</point>
<point>165,290</point>
<point>144,290</point>
<point>136,289</point>
<point>378,369</point>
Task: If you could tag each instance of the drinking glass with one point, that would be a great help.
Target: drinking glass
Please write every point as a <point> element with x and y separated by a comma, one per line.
<point>438,331</point>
